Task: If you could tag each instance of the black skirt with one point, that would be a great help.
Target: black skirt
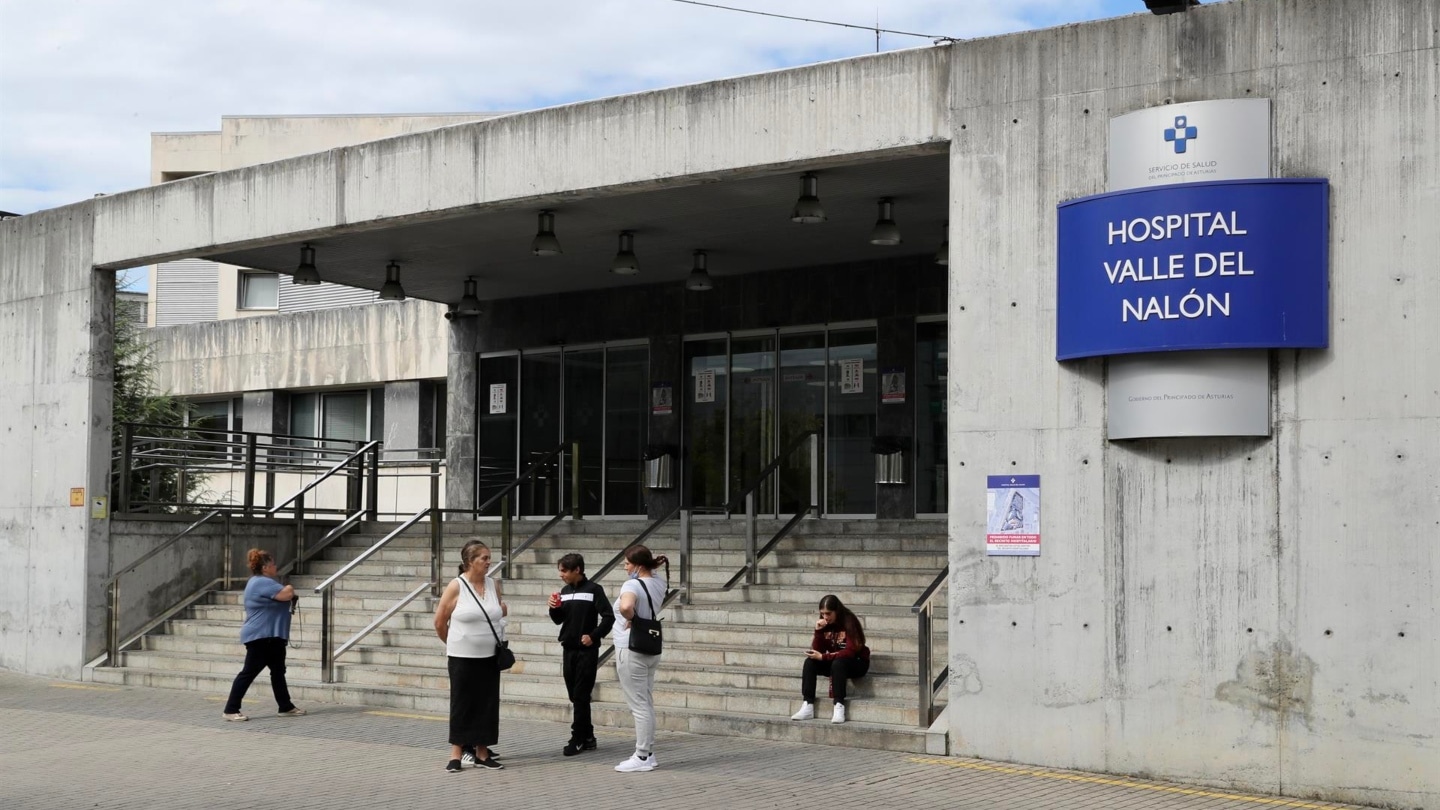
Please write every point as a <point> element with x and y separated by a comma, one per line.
<point>474,701</point>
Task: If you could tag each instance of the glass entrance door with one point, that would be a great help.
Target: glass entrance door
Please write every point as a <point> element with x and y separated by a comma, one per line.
<point>541,429</point>
<point>850,423</point>
<point>802,408</point>
<point>752,419</point>
<point>706,399</point>
<point>497,443</point>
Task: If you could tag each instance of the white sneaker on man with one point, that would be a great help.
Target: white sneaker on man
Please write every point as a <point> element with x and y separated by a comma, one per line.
<point>638,764</point>
<point>839,715</point>
<point>807,712</point>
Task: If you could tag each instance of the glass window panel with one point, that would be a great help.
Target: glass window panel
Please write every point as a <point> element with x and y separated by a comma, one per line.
<point>802,408</point>
<point>259,291</point>
<point>850,467</point>
<point>303,408</point>
<point>585,420</point>
<point>627,400</point>
<point>931,479</point>
<point>345,417</point>
<point>498,423</point>
<point>706,394</point>
<point>540,431</point>
<point>752,418</point>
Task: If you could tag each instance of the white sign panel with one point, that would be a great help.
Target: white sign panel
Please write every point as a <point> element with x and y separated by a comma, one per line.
<point>852,376</point>
<point>1201,394</point>
<point>1190,143</point>
<point>705,386</point>
<point>497,398</point>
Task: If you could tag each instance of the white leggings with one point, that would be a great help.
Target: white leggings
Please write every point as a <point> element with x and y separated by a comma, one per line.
<point>636,672</point>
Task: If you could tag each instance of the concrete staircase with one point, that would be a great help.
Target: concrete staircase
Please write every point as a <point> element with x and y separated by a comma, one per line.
<point>732,659</point>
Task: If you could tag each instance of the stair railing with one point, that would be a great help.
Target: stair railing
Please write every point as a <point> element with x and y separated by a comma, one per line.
<point>924,610</point>
<point>681,590</point>
<point>503,497</point>
<point>113,642</point>
<point>754,555</point>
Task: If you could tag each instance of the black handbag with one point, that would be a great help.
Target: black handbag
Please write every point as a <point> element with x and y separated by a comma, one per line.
<point>504,658</point>
<point>646,637</point>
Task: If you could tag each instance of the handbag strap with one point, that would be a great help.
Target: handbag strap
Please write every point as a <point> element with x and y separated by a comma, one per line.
<point>481,605</point>
<point>646,588</point>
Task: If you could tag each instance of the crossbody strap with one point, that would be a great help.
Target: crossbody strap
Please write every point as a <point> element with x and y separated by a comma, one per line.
<point>646,588</point>
<point>481,605</point>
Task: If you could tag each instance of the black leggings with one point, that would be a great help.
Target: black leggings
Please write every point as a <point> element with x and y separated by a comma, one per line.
<point>259,654</point>
<point>840,670</point>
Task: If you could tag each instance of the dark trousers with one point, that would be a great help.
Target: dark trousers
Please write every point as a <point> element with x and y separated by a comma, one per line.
<point>839,670</point>
<point>259,654</point>
<point>579,667</point>
<point>474,701</point>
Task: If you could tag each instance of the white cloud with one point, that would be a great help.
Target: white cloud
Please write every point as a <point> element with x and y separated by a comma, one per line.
<point>83,83</point>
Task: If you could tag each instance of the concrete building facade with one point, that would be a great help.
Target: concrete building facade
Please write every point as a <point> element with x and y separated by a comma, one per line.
<point>1254,612</point>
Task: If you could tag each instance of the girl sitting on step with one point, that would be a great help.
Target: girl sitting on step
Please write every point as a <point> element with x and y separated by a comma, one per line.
<point>838,650</point>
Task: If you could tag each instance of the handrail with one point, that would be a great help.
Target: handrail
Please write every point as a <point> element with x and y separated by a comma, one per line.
<point>753,555</point>
<point>772,467</point>
<point>339,465</point>
<point>381,619</point>
<point>506,553</point>
<point>520,479</point>
<point>924,609</point>
<point>640,538</point>
<point>749,568</point>
<point>365,555</point>
<point>112,585</point>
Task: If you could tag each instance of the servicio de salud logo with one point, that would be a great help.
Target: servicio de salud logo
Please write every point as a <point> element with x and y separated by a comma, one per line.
<point>1180,134</point>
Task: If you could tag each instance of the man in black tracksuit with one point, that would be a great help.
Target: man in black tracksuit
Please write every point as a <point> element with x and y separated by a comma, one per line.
<point>585,617</point>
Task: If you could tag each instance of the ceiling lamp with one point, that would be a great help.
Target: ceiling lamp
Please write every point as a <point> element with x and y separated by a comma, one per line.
<point>545,243</point>
<point>391,289</point>
<point>469,305</point>
<point>306,274</point>
<point>886,231</point>
<point>699,280</point>
<point>1170,6</point>
<point>807,208</point>
<point>625,263</point>
<point>942,256</point>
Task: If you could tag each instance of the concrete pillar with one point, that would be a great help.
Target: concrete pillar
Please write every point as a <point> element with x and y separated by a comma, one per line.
<point>665,367</point>
<point>895,351</point>
<point>462,405</point>
<point>57,327</point>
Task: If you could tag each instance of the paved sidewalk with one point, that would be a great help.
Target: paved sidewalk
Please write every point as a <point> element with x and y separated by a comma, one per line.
<point>71,745</point>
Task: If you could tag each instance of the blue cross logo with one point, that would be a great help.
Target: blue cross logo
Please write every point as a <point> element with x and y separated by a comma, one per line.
<point>1180,134</point>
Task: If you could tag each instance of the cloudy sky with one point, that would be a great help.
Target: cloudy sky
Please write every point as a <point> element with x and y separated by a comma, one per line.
<point>83,83</point>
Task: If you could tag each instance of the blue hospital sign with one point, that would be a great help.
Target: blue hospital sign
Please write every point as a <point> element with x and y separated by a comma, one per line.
<point>1233,264</point>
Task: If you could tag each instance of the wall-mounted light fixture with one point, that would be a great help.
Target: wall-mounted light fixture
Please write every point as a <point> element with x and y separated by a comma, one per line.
<point>469,304</point>
<point>625,263</point>
<point>807,208</point>
<point>545,243</point>
<point>306,274</point>
<point>391,289</point>
<point>886,232</point>
<point>699,280</point>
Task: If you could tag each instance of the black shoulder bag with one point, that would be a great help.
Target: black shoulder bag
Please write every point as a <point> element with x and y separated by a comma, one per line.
<point>645,635</point>
<point>504,659</point>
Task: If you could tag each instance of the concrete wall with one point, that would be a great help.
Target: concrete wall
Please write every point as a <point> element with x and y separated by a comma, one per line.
<point>1249,612</point>
<point>56,327</point>
<point>340,347</point>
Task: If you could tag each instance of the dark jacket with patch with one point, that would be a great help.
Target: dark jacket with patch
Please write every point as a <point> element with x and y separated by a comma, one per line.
<point>583,610</point>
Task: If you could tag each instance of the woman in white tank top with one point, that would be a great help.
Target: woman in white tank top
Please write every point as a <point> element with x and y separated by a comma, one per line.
<point>470,619</point>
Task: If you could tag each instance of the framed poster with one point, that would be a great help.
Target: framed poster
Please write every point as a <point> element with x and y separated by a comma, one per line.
<point>852,376</point>
<point>1012,515</point>
<point>705,386</point>
<point>662,399</point>
<point>892,387</point>
<point>497,398</point>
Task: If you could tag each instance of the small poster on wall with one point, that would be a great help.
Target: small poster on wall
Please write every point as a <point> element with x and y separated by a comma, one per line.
<point>497,398</point>
<point>661,399</point>
<point>705,386</point>
<point>892,387</point>
<point>852,376</point>
<point>1012,515</point>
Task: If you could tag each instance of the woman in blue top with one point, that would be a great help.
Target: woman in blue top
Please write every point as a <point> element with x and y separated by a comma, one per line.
<point>264,634</point>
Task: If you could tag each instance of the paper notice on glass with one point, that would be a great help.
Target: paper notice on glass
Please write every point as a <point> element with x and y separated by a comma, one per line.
<point>892,387</point>
<point>705,386</point>
<point>497,398</point>
<point>1012,515</point>
<point>852,376</point>
<point>661,403</point>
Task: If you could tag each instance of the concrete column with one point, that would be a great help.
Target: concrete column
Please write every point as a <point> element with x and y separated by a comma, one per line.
<point>461,407</point>
<point>665,360</point>
<point>895,350</point>
<point>57,327</point>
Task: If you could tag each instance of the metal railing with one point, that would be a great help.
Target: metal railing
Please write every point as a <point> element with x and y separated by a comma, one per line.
<point>924,610</point>
<point>754,555</point>
<point>532,473</point>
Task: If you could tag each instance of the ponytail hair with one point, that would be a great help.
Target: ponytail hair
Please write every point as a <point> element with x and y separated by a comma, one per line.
<point>639,555</point>
<point>468,554</point>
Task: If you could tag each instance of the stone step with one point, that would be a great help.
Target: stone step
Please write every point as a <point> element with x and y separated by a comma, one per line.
<point>332,559</point>
<point>855,734</point>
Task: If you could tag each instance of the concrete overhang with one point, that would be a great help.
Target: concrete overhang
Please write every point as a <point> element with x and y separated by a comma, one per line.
<point>713,166</point>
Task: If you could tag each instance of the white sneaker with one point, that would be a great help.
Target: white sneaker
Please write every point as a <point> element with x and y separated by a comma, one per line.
<point>839,715</point>
<point>637,765</point>
<point>807,712</point>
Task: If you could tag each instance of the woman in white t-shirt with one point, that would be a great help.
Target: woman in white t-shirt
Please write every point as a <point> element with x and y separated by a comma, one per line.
<point>641,595</point>
<point>470,619</point>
